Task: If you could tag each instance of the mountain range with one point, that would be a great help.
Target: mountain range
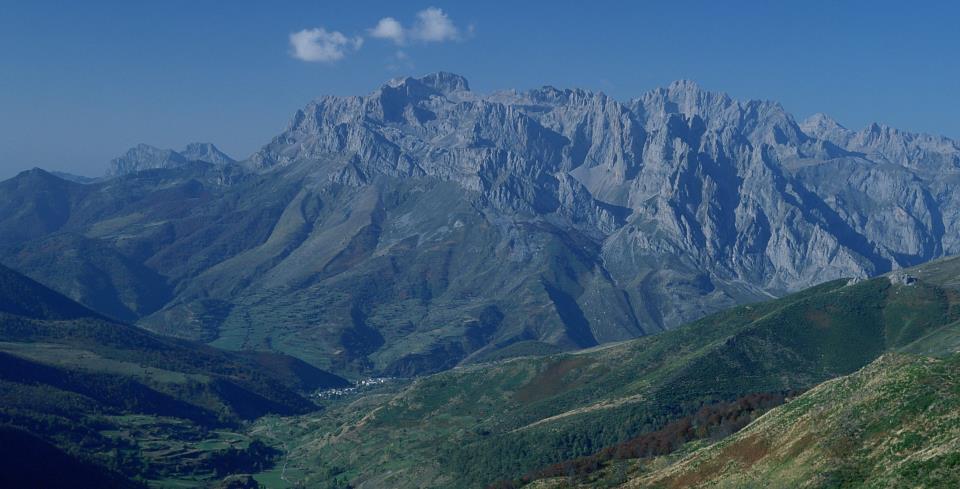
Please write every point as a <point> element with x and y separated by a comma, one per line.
<point>425,226</point>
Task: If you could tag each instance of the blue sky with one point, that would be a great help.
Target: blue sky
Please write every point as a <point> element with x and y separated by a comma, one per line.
<point>80,82</point>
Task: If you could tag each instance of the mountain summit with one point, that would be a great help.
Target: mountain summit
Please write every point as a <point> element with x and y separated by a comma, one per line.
<point>424,225</point>
<point>440,81</point>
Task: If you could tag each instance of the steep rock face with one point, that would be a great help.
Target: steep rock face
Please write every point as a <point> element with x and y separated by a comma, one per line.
<point>691,194</point>
<point>423,224</point>
<point>909,180</point>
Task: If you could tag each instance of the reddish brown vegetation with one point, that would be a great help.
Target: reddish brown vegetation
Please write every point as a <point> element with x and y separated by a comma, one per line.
<point>711,421</point>
<point>745,452</point>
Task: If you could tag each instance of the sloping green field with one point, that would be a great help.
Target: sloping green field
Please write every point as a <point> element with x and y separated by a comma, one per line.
<point>896,423</point>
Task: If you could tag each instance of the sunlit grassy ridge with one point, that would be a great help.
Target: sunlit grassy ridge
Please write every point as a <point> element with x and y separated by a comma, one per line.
<point>896,423</point>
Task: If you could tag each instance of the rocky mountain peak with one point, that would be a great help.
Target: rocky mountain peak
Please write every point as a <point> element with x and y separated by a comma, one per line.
<point>553,96</point>
<point>824,128</point>
<point>146,157</point>
<point>820,123</point>
<point>206,152</point>
<point>687,98</point>
<point>445,82</point>
<point>440,82</point>
<point>143,157</point>
<point>690,97</point>
<point>683,86</point>
<point>876,132</point>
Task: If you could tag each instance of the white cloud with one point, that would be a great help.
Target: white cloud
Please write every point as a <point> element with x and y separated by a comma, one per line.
<point>389,28</point>
<point>434,25</point>
<point>319,45</point>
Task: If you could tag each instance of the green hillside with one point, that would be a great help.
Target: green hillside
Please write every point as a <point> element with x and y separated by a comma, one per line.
<point>120,397</point>
<point>27,461</point>
<point>24,297</point>
<point>475,425</point>
<point>92,274</point>
<point>896,423</point>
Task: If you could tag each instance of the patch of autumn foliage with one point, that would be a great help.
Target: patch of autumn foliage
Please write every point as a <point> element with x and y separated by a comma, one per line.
<point>710,421</point>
